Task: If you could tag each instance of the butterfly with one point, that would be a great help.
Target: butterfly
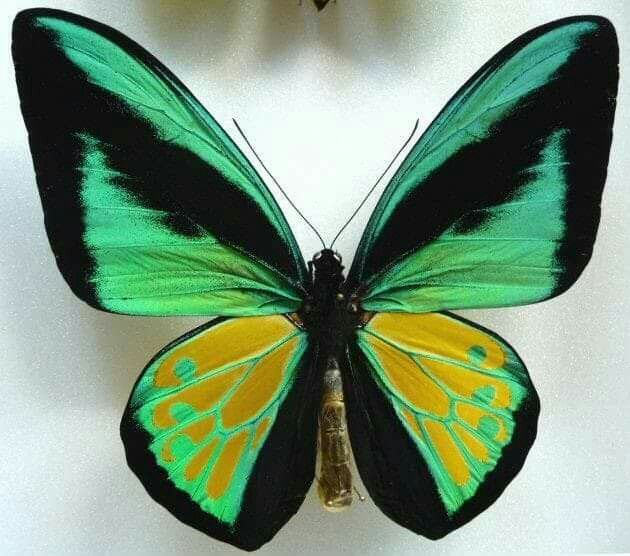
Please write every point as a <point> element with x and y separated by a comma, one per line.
<point>152,209</point>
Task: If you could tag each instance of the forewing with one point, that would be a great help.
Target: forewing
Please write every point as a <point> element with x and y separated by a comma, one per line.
<point>441,415</point>
<point>499,201</point>
<point>149,206</point>
<point>220,427</point>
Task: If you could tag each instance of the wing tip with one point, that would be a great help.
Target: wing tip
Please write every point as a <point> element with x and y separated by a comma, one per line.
<point>27,18</point>
<point>26,21</point>
<point>603,27</point>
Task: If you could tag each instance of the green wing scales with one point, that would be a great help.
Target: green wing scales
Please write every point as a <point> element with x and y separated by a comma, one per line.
<point>498,202</point>
<point>140,185</point>
<point>151,209</point>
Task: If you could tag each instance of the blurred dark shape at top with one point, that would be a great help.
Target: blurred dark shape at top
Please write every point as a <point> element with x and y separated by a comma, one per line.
<point>321,4</point>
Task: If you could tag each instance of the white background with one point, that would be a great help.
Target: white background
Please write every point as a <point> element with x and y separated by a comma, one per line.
<point>327,100</point>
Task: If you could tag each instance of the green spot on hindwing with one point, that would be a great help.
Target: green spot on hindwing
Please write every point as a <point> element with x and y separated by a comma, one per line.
<point>484,395</point>
<point>185,369</point>
<point>488,427</point>
<point>181,446</point>
<point>477,355</point>
<point>182,412</point>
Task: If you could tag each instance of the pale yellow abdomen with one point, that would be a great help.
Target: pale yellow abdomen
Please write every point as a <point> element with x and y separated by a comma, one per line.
<point>335,478</point>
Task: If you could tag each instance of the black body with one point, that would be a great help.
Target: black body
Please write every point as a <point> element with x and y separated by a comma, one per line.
<point>329,314</point>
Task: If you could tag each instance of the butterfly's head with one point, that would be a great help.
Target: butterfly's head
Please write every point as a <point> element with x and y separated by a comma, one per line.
<point>327,259</point>
<point>327,264</point>
<point>327,276</point>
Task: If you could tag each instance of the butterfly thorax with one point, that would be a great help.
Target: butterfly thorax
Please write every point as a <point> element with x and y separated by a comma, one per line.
<point>328,314</point>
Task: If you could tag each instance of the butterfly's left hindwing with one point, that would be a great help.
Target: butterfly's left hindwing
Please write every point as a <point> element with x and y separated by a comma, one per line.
<point>149,206</point>
<point>441,415</point>
<point>220,427</point>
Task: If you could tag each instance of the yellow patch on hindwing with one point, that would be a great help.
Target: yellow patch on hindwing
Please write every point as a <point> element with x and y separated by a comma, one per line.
<point>417,388</point>
<point>259,387</point>
<point>201,396</point>
<point>261,430</point>
<point>211,401</point>
<point>196,432</point>
<point>200,460</point>
<point>475,446</point>
<point>455,390</point>
<point>224,468</point>
<point>225,344</point>
<point>448,451</point>
<point>425,334</point>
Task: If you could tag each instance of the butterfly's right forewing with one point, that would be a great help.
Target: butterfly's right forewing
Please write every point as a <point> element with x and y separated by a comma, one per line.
<point>150,207</point>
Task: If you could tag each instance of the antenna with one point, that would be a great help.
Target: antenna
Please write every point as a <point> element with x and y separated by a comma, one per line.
<point>277,184</point>
<point>415,127</point>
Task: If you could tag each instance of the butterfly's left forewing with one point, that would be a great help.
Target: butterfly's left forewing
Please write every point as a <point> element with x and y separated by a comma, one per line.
<point>441,415</point>
<point>220,427</point>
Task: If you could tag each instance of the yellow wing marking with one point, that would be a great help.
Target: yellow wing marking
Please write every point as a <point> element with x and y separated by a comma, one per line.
<point>413,422</point>
<point>477,448</point>
<point>260,386</point>
<point>467,383</point>
<point>261,431</point>
<point>224,468</point>
<point>414,387</point>
<point>196,432</point>
<point>448,451</point>
<point>424,334</point>
<point>210,402</point>
<point>229,343</point>
<point>454,386</point>
<point>198,463</point>
<point>201,396</point>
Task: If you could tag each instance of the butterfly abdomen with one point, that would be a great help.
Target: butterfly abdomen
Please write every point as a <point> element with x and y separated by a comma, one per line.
<point>335,478</point>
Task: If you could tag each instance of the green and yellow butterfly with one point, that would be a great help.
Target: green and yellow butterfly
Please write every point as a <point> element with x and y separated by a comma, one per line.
<point>151,209</point>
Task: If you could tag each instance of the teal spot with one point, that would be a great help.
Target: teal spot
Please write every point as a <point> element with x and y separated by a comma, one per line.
<point>477,355</point>
<point>185,369</point>
<point>488,426</point>
<point>484,395</point>
<point>182,412</point>
<point>181,447</point>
